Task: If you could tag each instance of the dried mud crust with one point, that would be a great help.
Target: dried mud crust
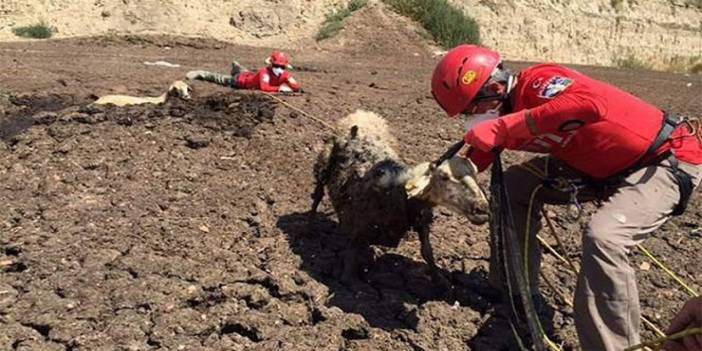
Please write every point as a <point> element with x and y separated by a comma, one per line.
<point>182,226</point>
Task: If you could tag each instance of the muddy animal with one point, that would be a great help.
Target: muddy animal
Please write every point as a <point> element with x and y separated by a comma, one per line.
<point>178,89</point>
<point>378,199</point>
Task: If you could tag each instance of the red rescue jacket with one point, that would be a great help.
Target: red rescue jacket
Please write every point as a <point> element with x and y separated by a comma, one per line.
<point>265,80</point>
<point>592,126</point>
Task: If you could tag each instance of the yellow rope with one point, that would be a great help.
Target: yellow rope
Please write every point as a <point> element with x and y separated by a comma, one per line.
<point>556,291</point>
<point>541,175</point>
<point>318,120</point>
<point>525,252</point>
<point>660,265</point>
<point>657,343</point>
<point>558,239</point>
<point>573,268</point>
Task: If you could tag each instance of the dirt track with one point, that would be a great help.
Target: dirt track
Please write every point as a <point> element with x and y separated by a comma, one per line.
<point>182,227</point>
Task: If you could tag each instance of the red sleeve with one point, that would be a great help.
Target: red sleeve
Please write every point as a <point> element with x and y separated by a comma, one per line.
<point>264,82</point>
<point>292,83</point>
<point>550,117</point>
<point>481,159</point>
<point>555,114</point>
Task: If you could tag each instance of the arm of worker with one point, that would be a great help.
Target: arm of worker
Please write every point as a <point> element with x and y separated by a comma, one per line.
<point>508,131</point>
<point>293,84</point>
<point>265,83</point>
<point>690,316</point>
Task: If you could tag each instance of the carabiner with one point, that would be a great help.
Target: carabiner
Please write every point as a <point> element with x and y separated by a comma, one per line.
<point>575,209</point>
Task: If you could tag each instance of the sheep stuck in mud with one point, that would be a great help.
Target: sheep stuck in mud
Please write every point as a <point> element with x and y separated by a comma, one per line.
<point>378,199</point>
<point>178,89</point>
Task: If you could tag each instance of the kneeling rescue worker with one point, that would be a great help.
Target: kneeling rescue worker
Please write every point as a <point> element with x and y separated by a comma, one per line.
<point>272,78</point>
<point>601,143</point>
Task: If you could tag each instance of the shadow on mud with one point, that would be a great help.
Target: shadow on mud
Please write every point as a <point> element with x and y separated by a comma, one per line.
<point>16,113</point>
<point>391,288</point>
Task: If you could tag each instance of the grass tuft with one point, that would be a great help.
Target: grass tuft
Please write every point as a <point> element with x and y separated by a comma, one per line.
<point>448,25</point>
<point>335,20</point>
<point>37,31</point>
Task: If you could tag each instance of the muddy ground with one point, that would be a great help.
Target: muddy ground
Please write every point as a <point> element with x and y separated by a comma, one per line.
<point>183,226</point>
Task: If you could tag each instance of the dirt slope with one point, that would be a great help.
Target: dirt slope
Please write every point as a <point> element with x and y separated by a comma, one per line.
<point>260,22</point>
<point>182,227</point>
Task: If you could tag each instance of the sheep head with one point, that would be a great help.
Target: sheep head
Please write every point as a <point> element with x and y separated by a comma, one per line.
<point>180,89</point>
<point>451,184</point>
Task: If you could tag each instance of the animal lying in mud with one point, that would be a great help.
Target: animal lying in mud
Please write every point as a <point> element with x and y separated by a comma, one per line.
<point>178,89</point>
<point>378,199</point>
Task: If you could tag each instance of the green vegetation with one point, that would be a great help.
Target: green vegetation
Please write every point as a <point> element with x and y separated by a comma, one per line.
<point>632,62</point>
<point>37,31</point>
<point>448,25</point>
<point>683,64</point>
<point>335,20</point>
<point>677,64</point>
<point>617,4</point>
<point>694,3</point>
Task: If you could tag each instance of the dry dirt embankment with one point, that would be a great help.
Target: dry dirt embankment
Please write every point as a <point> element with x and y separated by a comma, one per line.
<point>664,34</point>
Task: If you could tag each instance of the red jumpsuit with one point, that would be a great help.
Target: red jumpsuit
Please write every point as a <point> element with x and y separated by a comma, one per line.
<point>265,80</point>
<point>594,127</point>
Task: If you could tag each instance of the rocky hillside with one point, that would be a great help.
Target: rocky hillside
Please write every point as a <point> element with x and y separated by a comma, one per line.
<point>660,33</point>
<point>253,22</point>
<point>665,34</point>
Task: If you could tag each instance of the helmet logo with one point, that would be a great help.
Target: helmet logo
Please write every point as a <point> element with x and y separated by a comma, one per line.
<point>469,77</point>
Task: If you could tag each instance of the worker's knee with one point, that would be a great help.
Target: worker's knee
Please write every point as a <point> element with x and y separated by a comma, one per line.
<point>607,231</point>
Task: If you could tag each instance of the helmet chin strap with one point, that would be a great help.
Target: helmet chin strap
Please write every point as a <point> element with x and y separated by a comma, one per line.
<point>511,83</point>
<point>506,105</point>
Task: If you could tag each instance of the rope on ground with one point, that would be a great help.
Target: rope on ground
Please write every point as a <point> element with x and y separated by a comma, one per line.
<point>556,291</point>
<point>316,119</point>
<point>542,175</point>
<point>660,265</point>
<point>570,304</point>
<point>657,343</point>
<point>558,239</point>
<point>574,270</point>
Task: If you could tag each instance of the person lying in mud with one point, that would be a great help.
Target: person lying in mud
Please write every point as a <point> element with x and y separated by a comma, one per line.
<point>272,78</point>
<point>599,143</point>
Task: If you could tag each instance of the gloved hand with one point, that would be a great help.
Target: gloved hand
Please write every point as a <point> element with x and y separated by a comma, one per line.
<point>487,135</point>
<point>689,317</point>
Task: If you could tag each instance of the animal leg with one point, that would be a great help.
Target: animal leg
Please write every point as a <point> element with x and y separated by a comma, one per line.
<point>428,255</point>
<point>322,169</point>
<point>317,196</point>
<point>350,272</point>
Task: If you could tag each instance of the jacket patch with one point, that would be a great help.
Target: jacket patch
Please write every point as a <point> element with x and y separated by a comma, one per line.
<point>554,86</point>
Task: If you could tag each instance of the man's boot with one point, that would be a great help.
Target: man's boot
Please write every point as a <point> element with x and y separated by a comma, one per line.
<point>237,68</point>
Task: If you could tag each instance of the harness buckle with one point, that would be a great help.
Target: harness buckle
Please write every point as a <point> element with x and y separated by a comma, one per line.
<point>571,186</point>
<point>575,208</point>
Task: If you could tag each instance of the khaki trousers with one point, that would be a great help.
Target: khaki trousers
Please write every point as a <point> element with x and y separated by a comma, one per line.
<point>607,314</point>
